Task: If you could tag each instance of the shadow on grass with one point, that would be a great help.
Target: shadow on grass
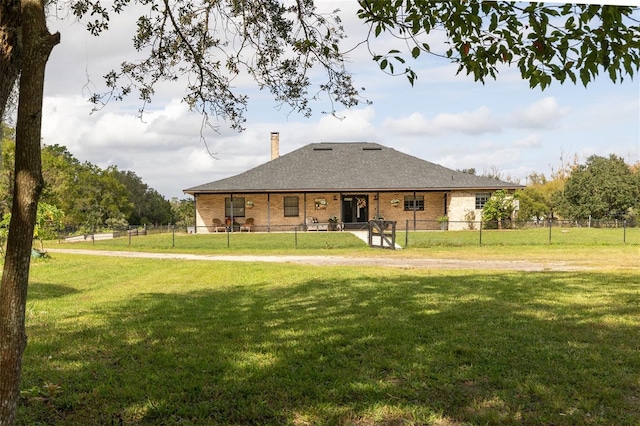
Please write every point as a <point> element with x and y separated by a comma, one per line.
<point>542,348</point>
<point>47,291</point>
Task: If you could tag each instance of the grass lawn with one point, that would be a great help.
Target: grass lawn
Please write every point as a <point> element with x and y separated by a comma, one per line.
<point>284,242</point>
<point>599,248</point>
<point>138,341</point>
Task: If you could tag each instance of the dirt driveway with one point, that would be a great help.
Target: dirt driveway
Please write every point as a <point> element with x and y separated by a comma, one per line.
<point>404,263</point>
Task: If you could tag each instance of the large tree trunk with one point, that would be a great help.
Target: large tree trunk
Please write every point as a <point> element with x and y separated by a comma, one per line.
<point>10,18</point>
<point>37,44</point>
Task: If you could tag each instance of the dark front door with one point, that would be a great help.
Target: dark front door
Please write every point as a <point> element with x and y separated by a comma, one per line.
<point>355,210</point>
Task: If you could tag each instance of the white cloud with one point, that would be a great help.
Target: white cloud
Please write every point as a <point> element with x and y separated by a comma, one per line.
<point>529,141</point>
<point>472,123</point>
<point>545,113</point>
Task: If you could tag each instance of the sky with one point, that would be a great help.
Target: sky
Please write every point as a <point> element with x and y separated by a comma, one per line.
<point>451,120</point>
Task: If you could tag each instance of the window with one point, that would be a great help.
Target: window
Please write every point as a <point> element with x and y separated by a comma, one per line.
<point>238,207</point>
<point>291,207</point>
<point>481,199</point>
<point>414,203</point>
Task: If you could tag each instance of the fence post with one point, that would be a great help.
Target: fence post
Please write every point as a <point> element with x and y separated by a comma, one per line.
<point>624,234</point>
<point>406,233</point>
<point>228,237</point>
<point>173,232</point>
<point>480,232</point>
<point>550,223</point>
<point>295,237</point>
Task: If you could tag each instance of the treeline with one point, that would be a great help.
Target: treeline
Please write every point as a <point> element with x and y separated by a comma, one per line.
<point>603,188</point>
<point>92,198</point>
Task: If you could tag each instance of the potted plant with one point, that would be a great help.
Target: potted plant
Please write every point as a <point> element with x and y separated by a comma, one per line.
<point>444,222</point>
<point>333,223</point>
<point>395,202</point>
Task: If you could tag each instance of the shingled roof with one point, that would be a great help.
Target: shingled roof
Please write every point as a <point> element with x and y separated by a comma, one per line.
<point>349,167</point>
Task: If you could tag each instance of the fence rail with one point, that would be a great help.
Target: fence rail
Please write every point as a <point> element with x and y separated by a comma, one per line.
<point>521,232</point>
<point>408,233</point>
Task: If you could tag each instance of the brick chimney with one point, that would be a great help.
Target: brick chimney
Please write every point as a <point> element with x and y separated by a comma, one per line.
<point>275,145</point>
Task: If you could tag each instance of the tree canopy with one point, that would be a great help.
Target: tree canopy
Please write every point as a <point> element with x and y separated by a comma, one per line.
<point>602,188</point>
<point>90,197</point>
<point>277,43</point>
<point>545,42</point>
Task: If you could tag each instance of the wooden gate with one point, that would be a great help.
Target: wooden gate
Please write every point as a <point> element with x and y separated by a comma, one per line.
<point>382,233</point>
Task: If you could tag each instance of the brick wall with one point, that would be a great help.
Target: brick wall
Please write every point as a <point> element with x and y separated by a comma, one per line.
<point>268,210</point>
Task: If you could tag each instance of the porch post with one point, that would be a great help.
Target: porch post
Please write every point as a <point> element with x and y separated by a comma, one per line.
<point>414,210</point>
<point>195,213</point>
<point>304,203</point>
<point>231,226</point>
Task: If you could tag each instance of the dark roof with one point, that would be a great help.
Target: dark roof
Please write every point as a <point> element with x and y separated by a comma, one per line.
<point>347,167</point>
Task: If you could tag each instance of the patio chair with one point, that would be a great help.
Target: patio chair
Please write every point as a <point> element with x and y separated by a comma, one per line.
<point>218,226</point>
<point>248,225</point>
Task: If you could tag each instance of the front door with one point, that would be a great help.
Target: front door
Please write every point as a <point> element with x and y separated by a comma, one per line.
<point>355,210</point>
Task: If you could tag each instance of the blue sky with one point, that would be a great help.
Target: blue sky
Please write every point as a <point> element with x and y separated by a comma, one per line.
<point>447,119</point>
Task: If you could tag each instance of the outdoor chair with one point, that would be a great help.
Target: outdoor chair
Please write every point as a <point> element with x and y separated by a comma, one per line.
<point>218,226</point>
<point>247,226</point>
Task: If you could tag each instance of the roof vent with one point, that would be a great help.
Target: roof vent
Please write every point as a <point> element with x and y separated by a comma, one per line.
<point>373,148</point>
<point>323,149</point>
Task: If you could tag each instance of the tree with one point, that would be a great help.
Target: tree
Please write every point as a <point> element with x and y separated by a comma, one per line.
<point>184,212</point>
<point>602,188</point>
<point>545,42</point>
<point>276,43</point>
<point>25,44</point>
<point>541,197</point>
<point>149,206</point>
<point>499,208</point>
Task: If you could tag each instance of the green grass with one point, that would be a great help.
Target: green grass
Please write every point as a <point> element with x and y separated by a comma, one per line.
<point>180,342</point>
<point>270,243</point>
<point>343,242</point>
<point>526,237</point>
<point>506,245</point>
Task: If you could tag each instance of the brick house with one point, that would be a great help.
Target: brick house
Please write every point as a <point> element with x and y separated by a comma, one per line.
<point>355,182</point>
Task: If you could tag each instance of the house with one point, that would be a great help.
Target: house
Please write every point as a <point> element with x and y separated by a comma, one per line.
<point>355,182</point>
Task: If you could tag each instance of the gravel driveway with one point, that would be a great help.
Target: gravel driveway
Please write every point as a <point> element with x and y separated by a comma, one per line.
<point>409,262</point>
